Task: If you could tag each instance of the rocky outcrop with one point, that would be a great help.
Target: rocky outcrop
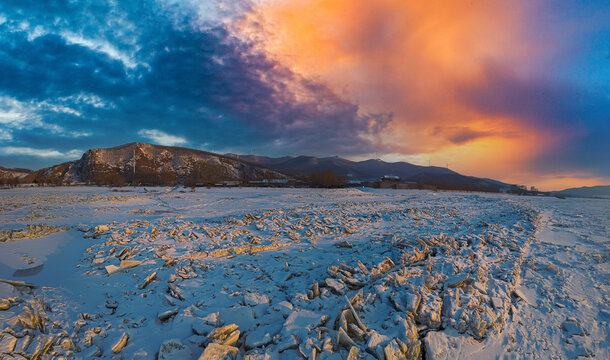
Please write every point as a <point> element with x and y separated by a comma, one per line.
<point>141,163</point>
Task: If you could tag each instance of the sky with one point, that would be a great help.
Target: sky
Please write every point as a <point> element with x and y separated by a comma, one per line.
<point>518,91</point>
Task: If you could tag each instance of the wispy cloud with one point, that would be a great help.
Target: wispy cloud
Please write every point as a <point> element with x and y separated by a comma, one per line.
<point>41,153</point>
<point>16,114</point>
<point>26,115</point>
<point>161,137</point>
<point>88,99</point>
<point>5,134</point>
<point>104,47</point>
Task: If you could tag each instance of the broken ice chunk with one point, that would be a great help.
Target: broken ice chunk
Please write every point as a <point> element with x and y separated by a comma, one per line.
<point>101,228</point>
<point>288,342</point>
<point>200,327</point>
<point>252,299</point>
<point>496,302</point>
<point>262,336</point>
<point>226,335</point>
<point>121,343</point>
<point>375,344</point>
<point>7,344</point>
<point>344,244</point>
<point>344,340</point>
<point>216,351</point>
<point>335,285</point>
<point>110,269</point>
<point>243,316</point>
<point>393,352</point>
<point>353,353</point>
<point>147,281</point>
<point>212,319</point>
<point>165,315</point>
<point>283,307</point>
<point>430,312</point>
<point>126,264</point>
<point>413,300</point>
<point>301,319</point>
<point>459,281</point>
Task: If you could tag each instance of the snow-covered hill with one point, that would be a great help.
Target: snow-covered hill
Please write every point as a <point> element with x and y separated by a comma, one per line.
<point>146,163</point>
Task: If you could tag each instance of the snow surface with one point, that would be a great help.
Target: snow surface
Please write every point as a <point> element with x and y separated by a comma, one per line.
<point>164,272</point>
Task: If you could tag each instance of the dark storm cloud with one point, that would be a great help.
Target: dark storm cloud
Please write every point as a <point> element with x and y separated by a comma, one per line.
<point>75,75</point>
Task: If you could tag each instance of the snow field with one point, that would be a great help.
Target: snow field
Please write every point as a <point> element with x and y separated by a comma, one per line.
<point>301,273</point>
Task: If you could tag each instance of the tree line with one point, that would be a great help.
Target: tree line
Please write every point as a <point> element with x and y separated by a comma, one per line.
<point>209,174</point>
<point>10,181</point>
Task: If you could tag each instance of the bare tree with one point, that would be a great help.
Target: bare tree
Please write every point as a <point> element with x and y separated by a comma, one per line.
<point>324,178</point>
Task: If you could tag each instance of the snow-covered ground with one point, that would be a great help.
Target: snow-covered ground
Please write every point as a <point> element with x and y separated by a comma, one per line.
<point>301,273</point>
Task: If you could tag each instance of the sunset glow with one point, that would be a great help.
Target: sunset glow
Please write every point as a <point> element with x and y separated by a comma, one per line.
<point>416,60</point>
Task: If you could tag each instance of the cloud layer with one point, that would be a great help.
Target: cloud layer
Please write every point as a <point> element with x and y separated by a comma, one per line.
<point>160,72</point>
<point>484,86</point>
<point>478,84</point>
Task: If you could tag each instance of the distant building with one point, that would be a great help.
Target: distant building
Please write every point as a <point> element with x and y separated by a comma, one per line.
<point>389,182</point>
<point>228,183</point>
<point>394,182</point>
<point>390,178</point>
<point>272,182</point>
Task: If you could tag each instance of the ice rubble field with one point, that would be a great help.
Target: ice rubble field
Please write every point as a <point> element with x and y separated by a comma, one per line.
<point>301,273</point>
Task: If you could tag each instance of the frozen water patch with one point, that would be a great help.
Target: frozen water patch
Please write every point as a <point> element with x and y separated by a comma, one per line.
<point>28,257</point>
<point>565,283</point>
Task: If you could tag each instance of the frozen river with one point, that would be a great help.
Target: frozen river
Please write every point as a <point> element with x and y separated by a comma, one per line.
<point>302,273</point>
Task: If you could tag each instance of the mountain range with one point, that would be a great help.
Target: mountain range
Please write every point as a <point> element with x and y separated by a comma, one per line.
<point>372,170</point>
<point>368,170</point>
<point>143,163</point>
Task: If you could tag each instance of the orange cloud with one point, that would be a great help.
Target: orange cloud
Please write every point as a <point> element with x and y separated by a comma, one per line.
<point>413,59</point>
